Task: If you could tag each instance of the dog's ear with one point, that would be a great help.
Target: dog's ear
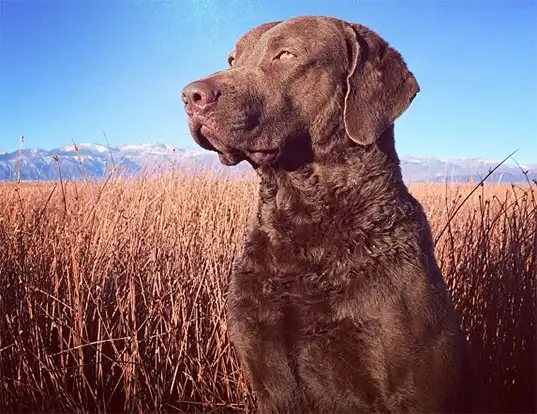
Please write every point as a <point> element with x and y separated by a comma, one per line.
<point>379,85</point>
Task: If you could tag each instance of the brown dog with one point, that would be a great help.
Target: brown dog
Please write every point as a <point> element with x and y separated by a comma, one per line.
<point>336,304</point>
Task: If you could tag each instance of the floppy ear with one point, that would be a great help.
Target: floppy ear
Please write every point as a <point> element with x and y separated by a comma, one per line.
<point>379,85</point>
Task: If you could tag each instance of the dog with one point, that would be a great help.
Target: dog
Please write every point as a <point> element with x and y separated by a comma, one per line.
<point>336,303</point>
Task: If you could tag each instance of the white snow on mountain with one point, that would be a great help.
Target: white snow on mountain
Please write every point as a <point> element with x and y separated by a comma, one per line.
<point>86,146</point>
<point>99,160</point>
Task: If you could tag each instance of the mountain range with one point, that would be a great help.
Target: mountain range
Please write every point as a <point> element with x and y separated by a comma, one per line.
<point>95,161</point>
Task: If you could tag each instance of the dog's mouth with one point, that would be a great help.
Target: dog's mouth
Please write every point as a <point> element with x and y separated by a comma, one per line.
<point>264,157</point>
<point>208,139</point>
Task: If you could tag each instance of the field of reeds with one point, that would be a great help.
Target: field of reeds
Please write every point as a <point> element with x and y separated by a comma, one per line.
<point>112,294</point>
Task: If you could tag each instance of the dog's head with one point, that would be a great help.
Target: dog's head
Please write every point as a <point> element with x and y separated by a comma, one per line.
<point>294,83</point>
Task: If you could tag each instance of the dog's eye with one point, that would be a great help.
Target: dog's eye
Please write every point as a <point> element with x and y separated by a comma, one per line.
<point>284,55</point>
<point>231,60</point>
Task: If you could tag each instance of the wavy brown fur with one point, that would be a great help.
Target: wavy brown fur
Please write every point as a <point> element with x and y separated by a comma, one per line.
<point>336,303</point>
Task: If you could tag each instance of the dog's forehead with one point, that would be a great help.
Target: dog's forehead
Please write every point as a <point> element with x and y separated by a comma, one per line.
<point>302,28</point>
<point>308,26</point>
<point>252,36</point>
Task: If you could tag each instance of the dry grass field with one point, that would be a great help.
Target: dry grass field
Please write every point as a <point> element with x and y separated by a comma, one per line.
<point>112,294</point>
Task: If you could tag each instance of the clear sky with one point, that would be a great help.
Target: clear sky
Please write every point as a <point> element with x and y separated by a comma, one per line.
<point>73,68</point>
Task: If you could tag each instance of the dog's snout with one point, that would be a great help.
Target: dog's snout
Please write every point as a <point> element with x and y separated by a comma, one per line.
<point>199,94</point>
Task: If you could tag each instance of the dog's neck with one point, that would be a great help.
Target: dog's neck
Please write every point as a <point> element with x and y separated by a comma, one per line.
<point>339,170</point>
<point>353,204</point>
<point>324,196</point>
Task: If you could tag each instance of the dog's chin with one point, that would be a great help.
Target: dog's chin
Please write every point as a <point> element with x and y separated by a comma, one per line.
<point>264,158</point>
<point>256,158</point>
<point>208,139</point>
<point>230,158</point>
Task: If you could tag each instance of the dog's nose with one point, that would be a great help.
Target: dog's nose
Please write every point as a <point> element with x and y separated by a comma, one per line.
<point>199,94</point>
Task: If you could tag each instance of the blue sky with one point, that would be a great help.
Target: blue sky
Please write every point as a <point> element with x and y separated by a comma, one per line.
<point>73,68</point>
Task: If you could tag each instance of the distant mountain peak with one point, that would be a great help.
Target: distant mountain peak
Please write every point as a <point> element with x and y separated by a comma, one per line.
<point>97,159</point>
<point>85,145</point>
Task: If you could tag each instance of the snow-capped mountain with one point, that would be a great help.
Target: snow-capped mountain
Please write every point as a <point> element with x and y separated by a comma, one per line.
<point>95,161</point>
<point>420,169</point>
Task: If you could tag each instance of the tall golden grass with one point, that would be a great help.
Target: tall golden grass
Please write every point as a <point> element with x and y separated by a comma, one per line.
<point>112,295</point>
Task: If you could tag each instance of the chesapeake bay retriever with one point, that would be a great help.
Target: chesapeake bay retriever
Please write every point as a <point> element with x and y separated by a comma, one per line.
<point>336,303</point>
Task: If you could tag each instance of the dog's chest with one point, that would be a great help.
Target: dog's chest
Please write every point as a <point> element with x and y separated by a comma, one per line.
<point>305,297</point>
<point>304,279</point>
